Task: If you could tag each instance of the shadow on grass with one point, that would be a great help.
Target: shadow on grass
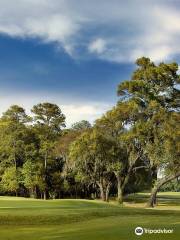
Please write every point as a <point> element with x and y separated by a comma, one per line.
<point>162,199</point>
<point>79,216</point>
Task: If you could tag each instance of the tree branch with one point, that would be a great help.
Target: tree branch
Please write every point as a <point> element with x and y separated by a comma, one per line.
<point>140,167</point>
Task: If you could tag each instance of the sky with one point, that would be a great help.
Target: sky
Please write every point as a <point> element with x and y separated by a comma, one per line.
<point>75,52</point>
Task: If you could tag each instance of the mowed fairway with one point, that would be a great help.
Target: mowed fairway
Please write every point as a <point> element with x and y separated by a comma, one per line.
<point>24,219</point>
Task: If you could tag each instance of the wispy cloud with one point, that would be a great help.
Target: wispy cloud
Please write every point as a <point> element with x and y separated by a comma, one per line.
<point>113,30</point>
<point>97,46</point>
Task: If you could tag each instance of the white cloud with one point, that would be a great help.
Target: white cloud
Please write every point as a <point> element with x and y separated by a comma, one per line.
<point>131,28</point>
<point>37,19</point>
<point>79,110</point>
<point>89,112</point>
<point>97,46</point>
<point>55,28</point>
<point>157,53</point>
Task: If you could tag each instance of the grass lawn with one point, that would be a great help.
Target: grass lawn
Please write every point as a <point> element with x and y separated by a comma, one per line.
<point>25,219</point>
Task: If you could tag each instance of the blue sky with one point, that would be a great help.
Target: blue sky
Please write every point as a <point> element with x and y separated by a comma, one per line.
<point>75,52</point>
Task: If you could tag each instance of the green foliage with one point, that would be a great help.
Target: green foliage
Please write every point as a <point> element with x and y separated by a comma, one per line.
<point>127,145</point>
<point>49,116</point>
<point>92,152</point>
<point>48,121</point>
<point>82,125</point>
<point>16,114</point>
<point>173,186</point>
<point>10,179</point>
<point>31,175</point>
<point>154,88</point>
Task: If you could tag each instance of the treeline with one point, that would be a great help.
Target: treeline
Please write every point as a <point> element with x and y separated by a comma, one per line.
<point>132,147</point>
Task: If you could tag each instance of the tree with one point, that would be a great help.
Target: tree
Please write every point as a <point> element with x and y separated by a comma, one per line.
<point>154,89</point>
<point>48,123</point>
<point>18,142</point>
<point>16,114</point>
<point>91,153</point>
<point>127,152</point>
<point>64,142</point>
<point>82,125</point>
<point>151,82</point>
<point>76,184</point>
<point>30,176</point>
<point>13,134</point>
<point>164,152</point>
<point>10,180</point>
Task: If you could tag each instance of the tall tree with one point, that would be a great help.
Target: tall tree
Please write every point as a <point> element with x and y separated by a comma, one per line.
<point>13,135</point>
<point>48,123</point>
<point>16,114</point>
<point>154,89</point>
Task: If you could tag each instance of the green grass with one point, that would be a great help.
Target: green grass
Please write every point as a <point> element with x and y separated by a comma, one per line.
<point>26,219</point>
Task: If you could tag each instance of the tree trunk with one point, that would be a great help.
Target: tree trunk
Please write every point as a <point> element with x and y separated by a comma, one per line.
<point>35,192</point>
<point>152,200</point>
<point>45,177</point>
<point>121,183</point>
<point>45,195</point>
<point>104,189</point>
<point>76,194</point>
<point>107,192</point>
<point>31,193</point>
<point>14,147</point>
<point>120,195</point>
<point>102,192</point>
<point>45,161</point>
<point>119,189</point>
<point>158,185</point>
